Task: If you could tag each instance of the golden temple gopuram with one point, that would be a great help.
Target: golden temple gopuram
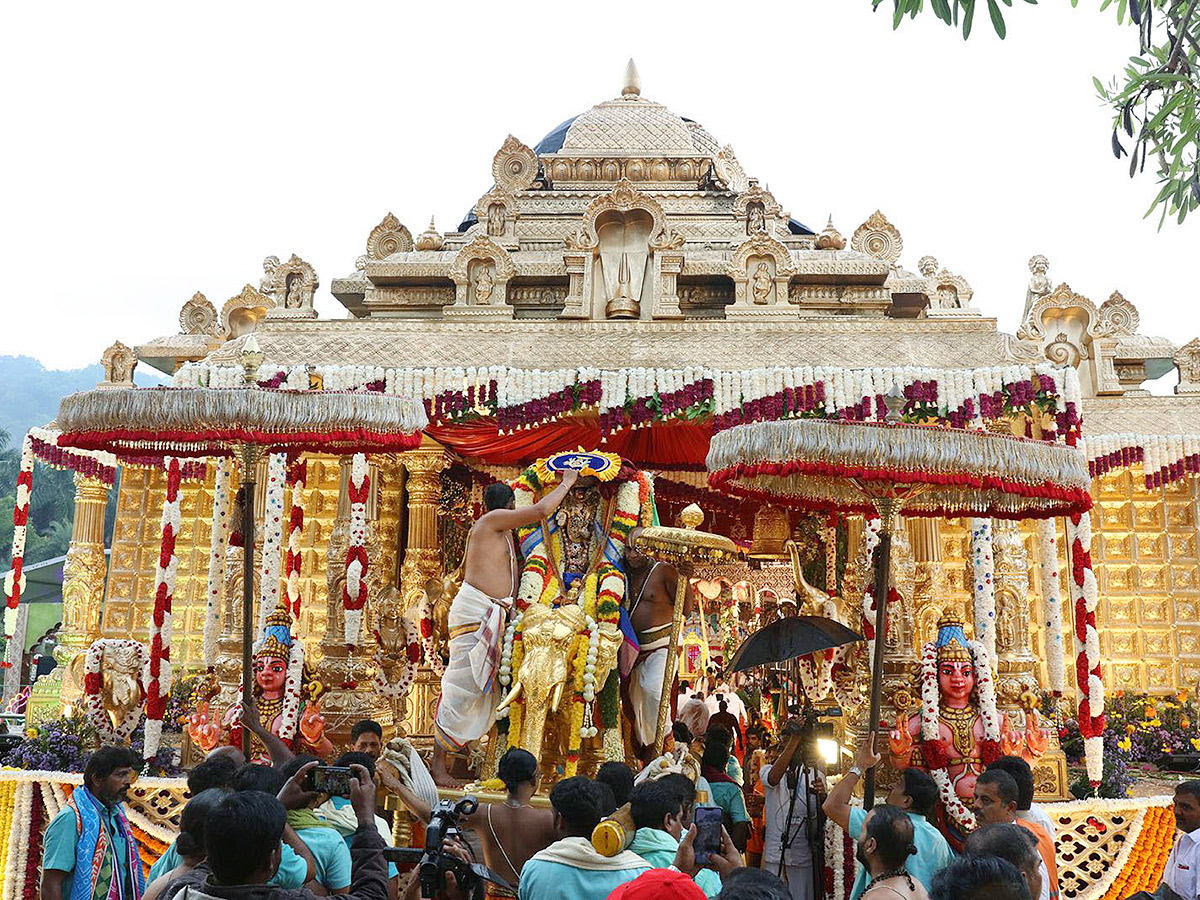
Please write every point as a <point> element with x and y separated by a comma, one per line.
<point>620,277</point>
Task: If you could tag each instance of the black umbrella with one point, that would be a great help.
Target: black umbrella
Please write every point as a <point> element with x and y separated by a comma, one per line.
<point>790,637</point>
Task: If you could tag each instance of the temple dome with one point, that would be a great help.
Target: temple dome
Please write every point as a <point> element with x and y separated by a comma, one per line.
<point>629,126</point>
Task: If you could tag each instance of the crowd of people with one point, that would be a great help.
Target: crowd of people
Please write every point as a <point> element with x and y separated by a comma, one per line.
<point>255,831</point>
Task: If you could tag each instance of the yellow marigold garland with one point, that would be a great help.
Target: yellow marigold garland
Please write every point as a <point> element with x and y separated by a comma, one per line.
<point>8,791</point>
<point>1144,867</point>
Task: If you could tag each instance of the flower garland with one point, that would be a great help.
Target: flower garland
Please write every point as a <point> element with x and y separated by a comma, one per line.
<point>837,883</point>
<point>983,578</point>
<point>354,592</point>
<point>1085,596</point>
<point>98,464</point>
<point>218,546</point>
<point>14,581</point>
<point>18,846</point>
<point>272,545</point>
<point>636,396</point>
<point>1165,458</point>
<point>1140,863</point>
<point>8,793</point>
<point>932,747</point>
<point>92,680</point>
<point>1052,607</point>
<point>157,674</point>
<point>297,476</point>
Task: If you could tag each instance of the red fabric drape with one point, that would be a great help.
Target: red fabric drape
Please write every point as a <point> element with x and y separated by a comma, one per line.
<point>677,445</point>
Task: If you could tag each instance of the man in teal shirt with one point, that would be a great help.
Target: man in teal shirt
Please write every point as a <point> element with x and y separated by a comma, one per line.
<point>661,818</point>
<point>916,793</point>
<point>571,867</point>
<point>89,848</point>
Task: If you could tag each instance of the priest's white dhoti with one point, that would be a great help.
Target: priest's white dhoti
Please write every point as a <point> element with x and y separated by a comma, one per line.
<point>467,705</point>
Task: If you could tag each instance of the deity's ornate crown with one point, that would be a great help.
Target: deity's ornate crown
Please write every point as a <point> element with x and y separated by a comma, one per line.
<point>952,640</point>
<point>277,635</point>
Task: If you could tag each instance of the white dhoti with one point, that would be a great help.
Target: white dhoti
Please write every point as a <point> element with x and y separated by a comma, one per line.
<point>646,686</point>
<point>467,705</point>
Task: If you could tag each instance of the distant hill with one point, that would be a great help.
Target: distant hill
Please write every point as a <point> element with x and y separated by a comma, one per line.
<point>29,392</point>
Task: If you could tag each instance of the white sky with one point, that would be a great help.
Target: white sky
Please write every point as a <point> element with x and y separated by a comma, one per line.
<point>152,150</point>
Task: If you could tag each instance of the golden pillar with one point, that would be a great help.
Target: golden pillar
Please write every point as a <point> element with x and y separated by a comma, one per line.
<point>83,585</point>
<point>347,672</point>
<point>421,572</point>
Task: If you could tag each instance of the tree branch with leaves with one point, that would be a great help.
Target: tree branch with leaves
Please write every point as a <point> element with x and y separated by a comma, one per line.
<point>1156,100</point>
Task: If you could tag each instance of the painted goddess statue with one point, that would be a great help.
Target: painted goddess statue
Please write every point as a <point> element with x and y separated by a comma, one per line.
<point>957,732</point>
<point>285,698</point>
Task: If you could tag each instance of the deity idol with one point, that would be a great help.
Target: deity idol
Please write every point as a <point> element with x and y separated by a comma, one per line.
<point>957,732</point>
<point>285,698</point>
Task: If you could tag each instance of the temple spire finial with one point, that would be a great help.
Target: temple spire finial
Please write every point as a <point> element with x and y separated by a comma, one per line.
<point>632,86</point>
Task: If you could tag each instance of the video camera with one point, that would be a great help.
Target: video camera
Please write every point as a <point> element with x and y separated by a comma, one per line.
<point>434,862</point>
<point>806,723</point>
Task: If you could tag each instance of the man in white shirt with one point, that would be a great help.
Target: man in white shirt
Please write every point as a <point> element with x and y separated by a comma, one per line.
<point>792,804</point>
<point>1181,873</point>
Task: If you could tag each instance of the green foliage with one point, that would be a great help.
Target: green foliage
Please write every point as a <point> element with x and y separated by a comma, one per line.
<point>1155,101</point>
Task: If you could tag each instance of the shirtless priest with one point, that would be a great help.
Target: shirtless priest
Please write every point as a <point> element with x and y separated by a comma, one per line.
<point>467,705</point>
<point>651,592</point>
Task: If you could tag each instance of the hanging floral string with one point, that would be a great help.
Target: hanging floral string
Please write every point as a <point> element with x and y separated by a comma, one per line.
<point>157,675</point>
<point>983,571</point>
<point>354,592</point>
<point>218,546</point>
<point>272,545</point>
<point>1165,458</point>
<point>14,581</point>
<point>1052,607</point>
<point>297,475</point>
<point>1085,596</point>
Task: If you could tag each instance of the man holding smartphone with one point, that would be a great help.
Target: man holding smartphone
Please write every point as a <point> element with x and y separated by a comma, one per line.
<point>792,787</point>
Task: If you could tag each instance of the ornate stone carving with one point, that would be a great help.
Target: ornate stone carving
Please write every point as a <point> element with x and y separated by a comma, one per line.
<point>1187,359</point>
<point>267,282</point>
<point>757,210</point>
<point>730,171</point>
<point>1118,316</point>
<point>388,237</point>
<point>119,362</point>
<point>1039,281</point>
<point>760,269</point>
<point>830,238</point>
<point>481,272</point>
<point>242,313</point>
<point>497,211</point>
<point>879,238</point>
<point>83,584</point>
<point>948,294</point>
<point>431,238</point>
<point>292,287</point>
<point>198,316</point>
<point>515,166</point>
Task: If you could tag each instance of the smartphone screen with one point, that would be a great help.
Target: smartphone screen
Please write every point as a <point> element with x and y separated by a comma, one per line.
<point>708,832</point>
<point>332,780</point>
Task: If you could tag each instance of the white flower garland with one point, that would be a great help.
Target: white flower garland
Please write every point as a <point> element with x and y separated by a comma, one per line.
<point>983,571</point>
<point>835,858</point>
<point>1079,540</point>
<point>18,843</point>
<point>218,546</point>
<point>15,580</point>
<point>142,822</point>
<point>295,557</point>
<point>355,590</point>
<point>290,715</point>
<point>92,703</point>
<point>272,538</point>
<point>157,674</point>
<point>1052,606</point>
<point>958,811</point>
<point>587,729</point>
<point>1165,458</point>
<point>506,653</point>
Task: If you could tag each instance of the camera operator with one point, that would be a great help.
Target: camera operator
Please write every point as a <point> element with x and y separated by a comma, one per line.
<point>792,785</point>
<point>243,832</point>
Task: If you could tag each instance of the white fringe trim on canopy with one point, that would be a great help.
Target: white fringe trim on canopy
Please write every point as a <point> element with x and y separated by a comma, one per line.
<point>809,462</point>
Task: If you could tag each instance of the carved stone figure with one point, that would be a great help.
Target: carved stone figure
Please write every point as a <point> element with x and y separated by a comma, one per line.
<point>927,266</point>
<point>484,285</point>
<point>267,283</point>
<point>295,296</point>
<point>1188,360</point>
<point>1039,281</point>
<point>118,362</point>
<point>757,219</point>
<point>761,283</point>
<point>495,220</point>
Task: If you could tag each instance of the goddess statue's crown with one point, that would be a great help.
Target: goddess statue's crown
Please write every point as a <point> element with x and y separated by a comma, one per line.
<point>277,635</point>
<point>951,640</point>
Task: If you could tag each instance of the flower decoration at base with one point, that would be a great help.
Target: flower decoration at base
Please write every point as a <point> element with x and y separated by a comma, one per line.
<point>131,708</point>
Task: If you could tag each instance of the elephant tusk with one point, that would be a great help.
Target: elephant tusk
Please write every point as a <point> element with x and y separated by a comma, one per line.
<point>558,692</point>
<point>512,695</point>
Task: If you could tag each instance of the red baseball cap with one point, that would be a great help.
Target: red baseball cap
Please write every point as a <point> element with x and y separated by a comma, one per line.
<point>659,884</point>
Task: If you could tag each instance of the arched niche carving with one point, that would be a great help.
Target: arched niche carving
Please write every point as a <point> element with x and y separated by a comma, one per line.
<point>293,285</point>
<point>623,257</point>
<point>481,272</point>
<point>241,314</point>
<point>757,209</point>
<point>760,269</point>
<point>497,213</point>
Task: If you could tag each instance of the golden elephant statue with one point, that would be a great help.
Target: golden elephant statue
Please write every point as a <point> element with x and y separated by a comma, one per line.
<point>548,636</point>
